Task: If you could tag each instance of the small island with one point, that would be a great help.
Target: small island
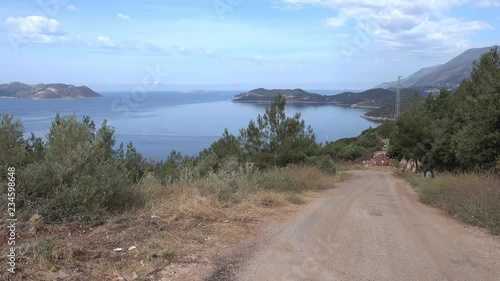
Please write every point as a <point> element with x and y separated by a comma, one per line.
<point>292,96</point>
<point>46,91</point>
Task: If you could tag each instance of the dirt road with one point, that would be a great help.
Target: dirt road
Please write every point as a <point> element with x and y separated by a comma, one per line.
<point>373,228</point>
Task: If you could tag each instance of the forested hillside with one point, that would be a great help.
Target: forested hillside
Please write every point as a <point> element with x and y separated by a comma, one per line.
<point>455,131</point>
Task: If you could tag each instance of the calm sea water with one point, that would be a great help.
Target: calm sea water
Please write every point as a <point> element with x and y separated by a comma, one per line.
<point>158,122</point>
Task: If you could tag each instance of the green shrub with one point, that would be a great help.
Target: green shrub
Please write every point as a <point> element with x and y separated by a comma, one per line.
<point>78,178</point>
<point>276,179</point>
<point>12,144</point>
<point>275,139</point>
<point>324,163</point>
<point>353,152</point>
<point>230,179</point>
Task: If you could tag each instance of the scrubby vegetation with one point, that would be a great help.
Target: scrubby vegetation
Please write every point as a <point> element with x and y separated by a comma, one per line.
<point>174,223</point>
<point>361,147</point>
<point>78,173</point>
<point>75,174</point>
<point>77,178</point>
<point>472,198</point>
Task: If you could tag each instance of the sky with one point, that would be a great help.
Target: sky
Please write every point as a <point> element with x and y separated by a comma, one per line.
<point>236,44</point>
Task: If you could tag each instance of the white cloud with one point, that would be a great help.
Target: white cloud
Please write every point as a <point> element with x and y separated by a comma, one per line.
<point>427,36</point>
<point>336,22</point>
<point>123,17</point>
<point>413,26</point>
<point>429,5</point>
<point>72,8</point>
<point>104,41</point>
<point>488,3</point>
<point>37,29</point>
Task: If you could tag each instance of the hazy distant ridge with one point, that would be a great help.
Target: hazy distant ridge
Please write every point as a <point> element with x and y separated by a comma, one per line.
<point>448,75</point>
<point>46,91</point>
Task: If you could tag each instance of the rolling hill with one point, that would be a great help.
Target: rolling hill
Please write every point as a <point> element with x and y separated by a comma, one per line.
<point>373,98</point>
<point>46,91</point>
<point>261,95</point>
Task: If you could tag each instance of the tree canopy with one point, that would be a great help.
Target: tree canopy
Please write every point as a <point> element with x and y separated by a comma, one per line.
<point>456,131</point>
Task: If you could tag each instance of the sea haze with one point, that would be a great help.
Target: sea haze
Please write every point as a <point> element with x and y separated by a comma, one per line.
<point>158,122</point>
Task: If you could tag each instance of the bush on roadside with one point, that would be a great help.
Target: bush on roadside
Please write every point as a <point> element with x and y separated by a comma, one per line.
<point>277,179</point>
<point>472,198</point>
<point>324,162</point>
<point>357,148</point>
<point>294,179</point>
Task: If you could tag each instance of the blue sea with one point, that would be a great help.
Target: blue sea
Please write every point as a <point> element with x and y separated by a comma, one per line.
<point>158,122</point>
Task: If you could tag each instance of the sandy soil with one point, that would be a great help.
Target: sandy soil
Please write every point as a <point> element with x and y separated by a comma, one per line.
<point>371,227</point>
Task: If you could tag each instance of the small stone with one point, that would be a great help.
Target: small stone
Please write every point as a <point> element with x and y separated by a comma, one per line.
<point>132,248</point>
<point>117,249</point>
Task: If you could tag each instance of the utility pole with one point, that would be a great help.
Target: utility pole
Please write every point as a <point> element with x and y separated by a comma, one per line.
<point>398,93</point>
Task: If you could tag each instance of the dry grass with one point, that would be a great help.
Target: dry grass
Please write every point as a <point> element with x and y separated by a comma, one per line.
<point>308,178</point>
<point>350,166</point>
<point>174,225</point>
<point>472,198</point>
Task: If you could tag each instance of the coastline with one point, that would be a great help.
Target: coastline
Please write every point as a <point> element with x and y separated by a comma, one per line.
<point>377,119</point>
<point>292,102</point>
<point>307,102</point>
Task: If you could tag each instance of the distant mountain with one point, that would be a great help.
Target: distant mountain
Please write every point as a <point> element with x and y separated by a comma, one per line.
<point>411,80</point>
<point>46,91</point>
<point>448,75</point>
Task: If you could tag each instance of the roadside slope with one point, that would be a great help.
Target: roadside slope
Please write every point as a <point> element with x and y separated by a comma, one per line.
<point>373,228</point>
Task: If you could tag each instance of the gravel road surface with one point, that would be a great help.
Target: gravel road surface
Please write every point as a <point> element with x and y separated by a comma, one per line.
<point>372,227</point>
